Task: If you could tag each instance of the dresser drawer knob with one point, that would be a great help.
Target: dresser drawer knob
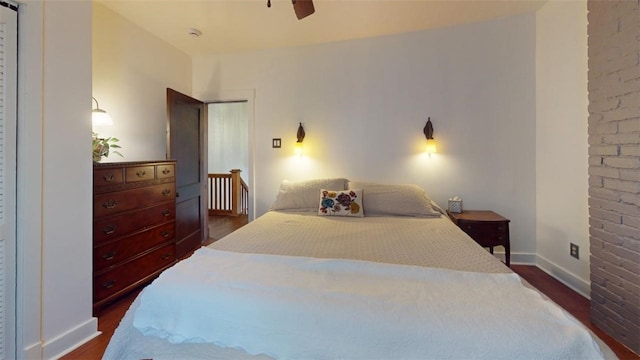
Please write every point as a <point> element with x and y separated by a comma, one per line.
<point>166,192</point>
<point>166,213</point>
<point>166,256</point>
<point>165,171</point>
<point>109,229</point>
<point>165,234</point>
<point>500,228</point>
<point>500,237</point>
<point>109,204</point>
<point>108,177</point>
<point>141,173</point>
<point>109,256</point>
<point>108,284</point>
<point>469,227</point>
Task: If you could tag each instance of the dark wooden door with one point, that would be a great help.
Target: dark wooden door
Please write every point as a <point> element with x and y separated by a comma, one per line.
<point>186,143</point>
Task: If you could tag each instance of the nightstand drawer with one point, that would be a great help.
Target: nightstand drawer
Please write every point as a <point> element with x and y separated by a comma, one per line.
<point>486,233</point>
<point>485,227</point>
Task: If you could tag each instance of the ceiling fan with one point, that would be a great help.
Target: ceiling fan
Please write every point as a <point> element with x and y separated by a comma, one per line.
<point>302,8</point>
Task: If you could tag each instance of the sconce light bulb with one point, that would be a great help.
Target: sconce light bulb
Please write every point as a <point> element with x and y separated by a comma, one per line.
<point>431,146</point>
<point>298,148</point>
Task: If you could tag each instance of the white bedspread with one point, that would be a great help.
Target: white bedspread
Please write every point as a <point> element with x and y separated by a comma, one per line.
<point>300,307</point>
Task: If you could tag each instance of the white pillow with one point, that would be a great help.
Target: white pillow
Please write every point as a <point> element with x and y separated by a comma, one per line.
<point>394,199</point>
<point>303,195</point>
<point>340,203</point>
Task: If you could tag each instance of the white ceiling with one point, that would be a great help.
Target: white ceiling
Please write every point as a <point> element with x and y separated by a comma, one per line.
<point>244,25</point>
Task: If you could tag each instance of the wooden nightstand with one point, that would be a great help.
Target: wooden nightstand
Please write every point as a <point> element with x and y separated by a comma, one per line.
<point>485,227</point>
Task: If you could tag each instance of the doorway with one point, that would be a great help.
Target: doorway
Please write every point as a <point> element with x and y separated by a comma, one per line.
<point>230,138</point>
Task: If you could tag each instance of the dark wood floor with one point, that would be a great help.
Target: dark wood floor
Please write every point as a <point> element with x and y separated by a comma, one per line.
<point>220,226</point>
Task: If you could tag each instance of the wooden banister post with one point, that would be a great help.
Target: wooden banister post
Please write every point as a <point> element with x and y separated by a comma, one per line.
<point>236,188</point>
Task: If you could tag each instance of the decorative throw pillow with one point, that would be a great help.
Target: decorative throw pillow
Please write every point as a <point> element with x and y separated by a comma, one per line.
<point>303,195</point>
<point>395,199</point>
<point>341,203</point>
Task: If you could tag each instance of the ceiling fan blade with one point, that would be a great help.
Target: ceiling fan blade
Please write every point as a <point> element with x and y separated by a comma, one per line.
<point>303,8</point>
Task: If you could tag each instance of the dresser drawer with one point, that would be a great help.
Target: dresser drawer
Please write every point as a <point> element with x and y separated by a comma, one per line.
<point>106,177</point>
<point>486,233</point>
<point>120,250</point>
<point>114,227</point>
<point>139,173</point>
<point>132,272</point>
<point>117,202</point>
<point>165,171</point>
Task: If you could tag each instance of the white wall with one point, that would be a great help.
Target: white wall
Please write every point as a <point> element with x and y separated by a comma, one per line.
<point>54,187</point>
<point>364,103</point>
<point>131,71</point>
<point>561,141</point>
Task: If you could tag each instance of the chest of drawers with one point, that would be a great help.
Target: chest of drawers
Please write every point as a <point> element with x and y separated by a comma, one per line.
<point>133,226</point>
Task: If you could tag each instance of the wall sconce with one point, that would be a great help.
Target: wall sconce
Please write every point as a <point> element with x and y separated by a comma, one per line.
<point>300,135</point>
<point>431,142</point>
<point>100,117</point>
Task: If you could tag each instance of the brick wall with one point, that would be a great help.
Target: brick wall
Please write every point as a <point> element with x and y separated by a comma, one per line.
<point>614,167</point>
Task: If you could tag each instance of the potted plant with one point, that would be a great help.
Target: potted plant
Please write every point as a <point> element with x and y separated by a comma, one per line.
<point>102,147</point>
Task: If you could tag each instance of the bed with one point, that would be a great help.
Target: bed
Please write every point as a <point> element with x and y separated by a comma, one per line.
<point>351,270</point>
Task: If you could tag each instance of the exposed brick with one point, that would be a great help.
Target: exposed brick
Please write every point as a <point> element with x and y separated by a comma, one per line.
<point>604,128</point>
<point>620,207</point>
<point>623,162</point>
<point>594,118</point>
<point>614,204</point>
<point>622,230</point>
<point>595,223</point>
<point>619,296</point>
<point>622,272</point>
<point>612,310</point>
<point>604,105</point>
<point>603,150</point>
<point>631,125</point>
<point>630,308</point>
<point>629,150</point>
<point>607,172</point>
<point>605,194</point>
<point>633,267</point>
<point>597,263</point>
<point>630,175</point>
<point>631,244</point>
<point>634,288</point>
<point>609,258</point>
<point>633,221</point>
<point>630,199</point>
<point>622,138</point>
<point>626,186</point>
<point>605,236</point>
<point>622,113</point>
<point>607,215</point>
<point>595,160</point>
<point>595,181</point>
<point>629,74</point>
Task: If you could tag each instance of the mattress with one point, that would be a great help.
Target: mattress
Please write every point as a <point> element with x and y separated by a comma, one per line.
<point>425,242</point>
<point>433,242</point>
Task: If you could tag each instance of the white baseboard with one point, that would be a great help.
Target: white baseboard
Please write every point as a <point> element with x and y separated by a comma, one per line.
<point>70,340</point>
<point>32,352</point>
<point>517,258</point>
<point>576,283</point>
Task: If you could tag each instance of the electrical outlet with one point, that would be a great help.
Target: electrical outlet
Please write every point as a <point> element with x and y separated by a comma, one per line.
<point>574,250</point>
